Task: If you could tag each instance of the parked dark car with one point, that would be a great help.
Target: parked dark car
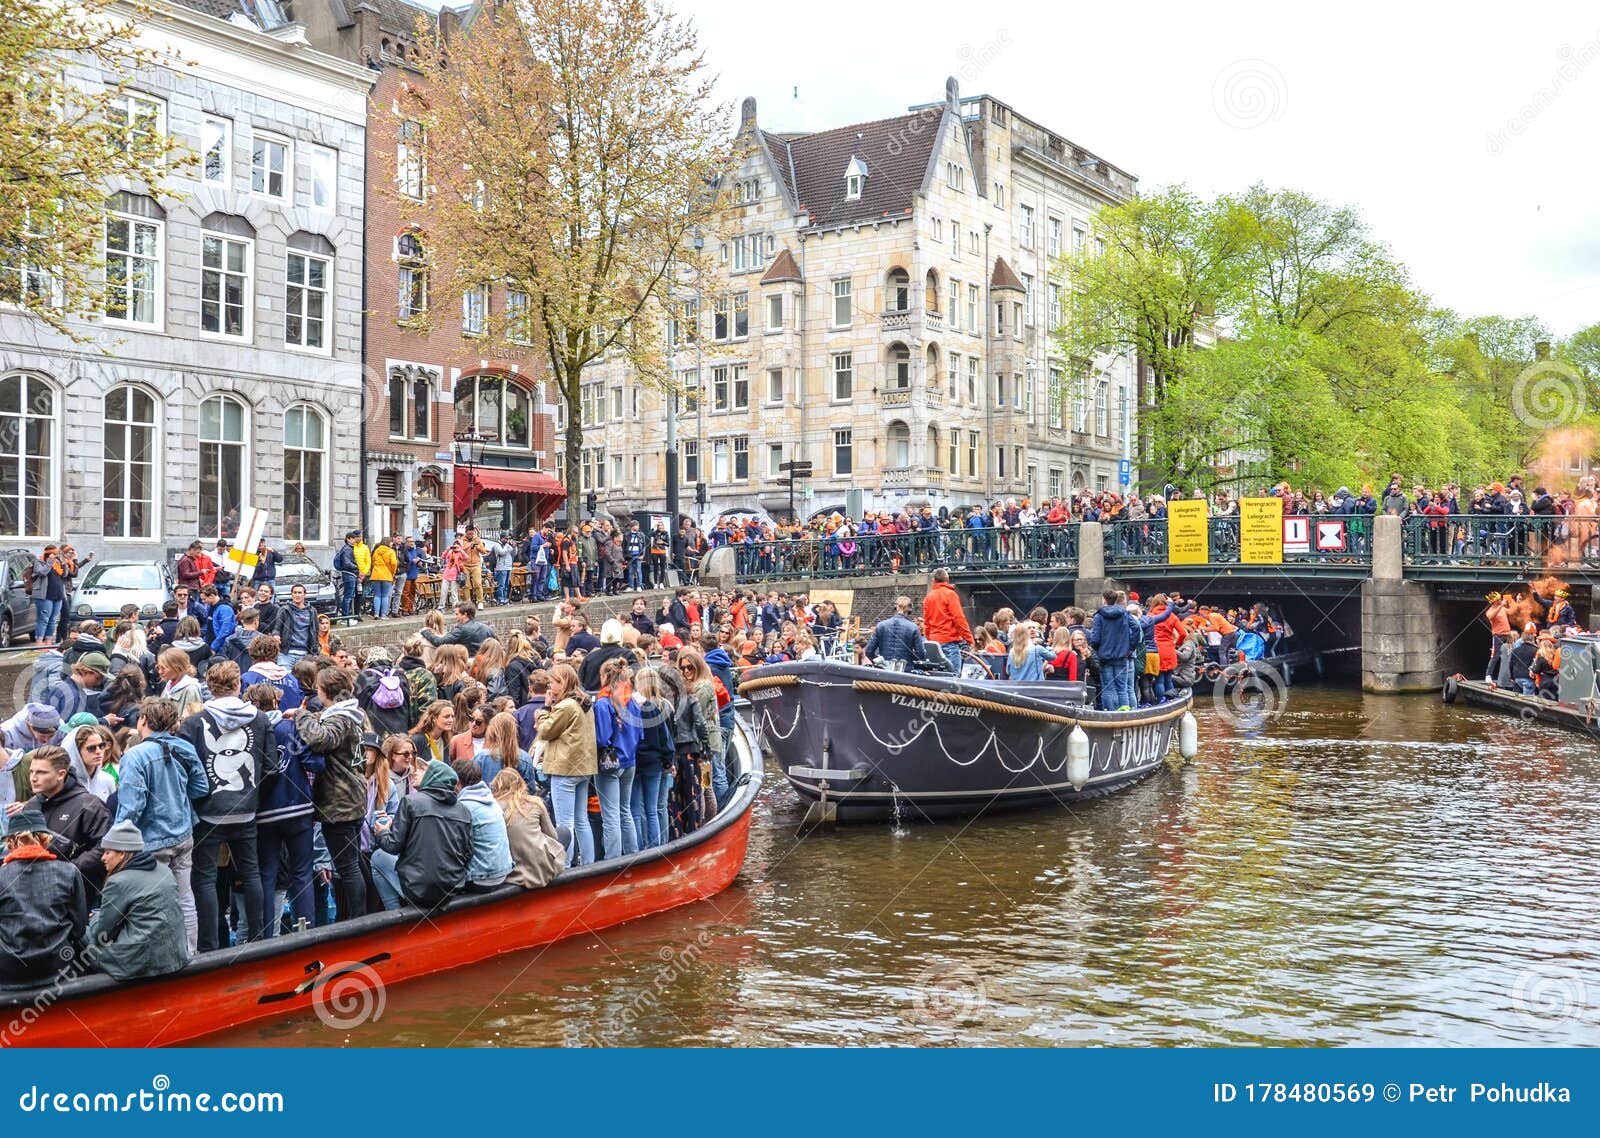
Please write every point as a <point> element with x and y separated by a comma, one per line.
<point>16,611</point>
<point>298,569</point>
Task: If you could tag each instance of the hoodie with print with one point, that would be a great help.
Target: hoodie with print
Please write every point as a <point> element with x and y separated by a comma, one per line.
<point>233,739</point>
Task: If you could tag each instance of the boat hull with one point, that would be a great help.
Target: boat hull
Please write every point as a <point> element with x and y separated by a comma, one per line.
<point>866,744</point>
<point>339,970</point>
<point>1525,707</point>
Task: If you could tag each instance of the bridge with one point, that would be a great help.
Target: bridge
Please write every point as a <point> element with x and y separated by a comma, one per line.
<point>1409,592</point>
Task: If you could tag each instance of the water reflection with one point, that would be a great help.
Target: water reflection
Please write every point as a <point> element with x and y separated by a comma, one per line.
<point>1349,869</point>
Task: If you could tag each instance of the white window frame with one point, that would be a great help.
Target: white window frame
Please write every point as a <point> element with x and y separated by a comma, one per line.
<point>13,444</point>
<point>315,152</point>
<point>307,290</point>
<point>1054,239</point>
<point>843,290</point>
<point>225,175</point>
<point>475,311</point>
<point>129,99</point>
<point>321,536</point>
<point>719,388</point>
<point>741,449</point>
<point>972,309</point>
<point>739,384</point>
<point>411,170</point>
<point>775,308</point>
<point>1102,408</point>
<point>245,456</point>
<point>844,440</point>
<point>775,387</point>
<point>127,425</point>
<point>774,460</point>
<point>268,139</point>
<point>1025,227</point>
<point>248,331</point>
<point>159,289</point>
<point>518,309</point>
<point>843,368</point>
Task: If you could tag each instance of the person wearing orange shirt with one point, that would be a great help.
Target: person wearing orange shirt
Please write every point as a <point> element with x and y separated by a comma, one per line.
<point>1498,614</point>
<point>943,620</point>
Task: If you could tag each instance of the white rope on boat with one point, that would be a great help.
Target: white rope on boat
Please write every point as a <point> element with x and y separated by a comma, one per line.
<point>993,742</point>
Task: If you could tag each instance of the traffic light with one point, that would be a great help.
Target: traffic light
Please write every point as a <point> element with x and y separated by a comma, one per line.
<point>593,503</point>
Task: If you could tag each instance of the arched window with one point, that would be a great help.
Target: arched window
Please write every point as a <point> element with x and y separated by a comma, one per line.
<point>899,367</point>
<point>899,290</point>
<point>27,456</point>
<point>499,409</point>
<point>222,466</point>
<point>412,256</point>
<point>899,444</point>
<point>933,457</point>
<point>129,488</point>
<point>931,301</point>
<point>932,375</point>
<point>305,461</point>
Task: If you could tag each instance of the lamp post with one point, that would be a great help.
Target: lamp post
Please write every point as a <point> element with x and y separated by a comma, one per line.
<point>468,452</point>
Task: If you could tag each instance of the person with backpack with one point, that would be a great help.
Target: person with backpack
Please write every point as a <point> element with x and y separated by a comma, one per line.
<point>284,823</point>
<point>382,692</point>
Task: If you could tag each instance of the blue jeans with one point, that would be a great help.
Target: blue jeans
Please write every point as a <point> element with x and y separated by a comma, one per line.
<point>719,762</point>
<point>648,823</point>
<point>348,584</point>
<point>616,812</point>
<point>1116,676</point>
<point>285,845</point>
<point>382,595</point>
<point>952,653</point>
<point>635,572</point>
<point>47,614</point>
<point>386,878</point>
<point>502,585</point>
<point>1163,687</point>
<point>1525,687</point>
<point>569,797</point>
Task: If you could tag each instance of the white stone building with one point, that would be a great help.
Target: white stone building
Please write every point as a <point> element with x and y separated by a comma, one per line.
<point>880,311</point>
<point>226,370</point>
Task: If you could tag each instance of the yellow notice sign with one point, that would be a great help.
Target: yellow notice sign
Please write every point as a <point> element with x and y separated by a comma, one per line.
<point>1187,535</point>
<point>1261,531</point>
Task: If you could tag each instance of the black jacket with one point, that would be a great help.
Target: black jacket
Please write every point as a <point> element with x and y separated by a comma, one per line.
<point>43,914</point>
<point>384,720</point>
<point>432,840</point>
<point>283,627</point>
<point>642,623</point>
<point>515,678</point>
<point>589,670</point>
<point>77,821</point>
<point>470,635</point>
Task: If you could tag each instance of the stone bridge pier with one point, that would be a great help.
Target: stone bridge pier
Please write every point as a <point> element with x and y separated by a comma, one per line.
<point>1403,630</point>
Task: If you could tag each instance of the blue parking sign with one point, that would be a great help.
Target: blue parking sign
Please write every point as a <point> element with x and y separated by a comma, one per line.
<point>1124,471</point>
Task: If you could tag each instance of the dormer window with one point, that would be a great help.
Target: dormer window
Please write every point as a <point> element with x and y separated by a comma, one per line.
<point>855,179</point>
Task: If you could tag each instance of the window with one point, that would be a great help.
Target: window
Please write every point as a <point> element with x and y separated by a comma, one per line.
<point>216,150</point>
<point>689,385</point>
<point>1102,408</point>
<point>843,454</point>
<point>972,380</point>
<point>999,389</point>
<point>1056,483</point>
<point>1055,237</point>
<point>1016,318</point>
<point>719,320</point>
<point>1099,246</point>
<point>129,489</point>
<point>1080,403</point>
<point>688,321</point>
<point>305,453</point>
<point>1078,238</point>
<point>1056,395</point>
<point>748,252</point>
<point>1000,317</point>
<point>322,164</point>
<point>741,458</point>
<point>899,445</point>
<point>616,404</point>
<point>137,117</point>
<point>974,441</point>
<point>741,387</point>
<point>225,286</point>
<point>955,176</point>
<point>1016,392</point>
<point>775,313</point>
<point>774,460</point>
<point>953,460</point>
<point>1027,299</point>
<point>841,303</point>
<point>972,308</point>
<point>747,191</point>
<point>305,307</point>
<point>410,403</point>
<point>955,303</point>
<point>1032,485</point>
<point>719,460</point>
<point>690,452</point>
<point>899,290</point>
<point>1028,385</point>
<point>1000,461</point>
<point>741,315</point>
<point>519,314</point>
<point>774,385</point>
<point>591,404</point>
<point>852,187</point>
<point>133,270</point>
<point>411,163</point>
<point>222,465</point>
<point>1025,235</point>
<point>616,470</point>
<point>1053,316</point>
<point>972,241</point>
<point>955,376</point>
<point>1000,195</point>
<point>938,229</point>
<point>843,377</point>
<point>27,456</point>
<point>502,410</point>
<point>474,310</point>
<point>271,164</point>
<point>899,377</point>
<point>413,301</point>
<point>719,388</point>
<point>955,239</point>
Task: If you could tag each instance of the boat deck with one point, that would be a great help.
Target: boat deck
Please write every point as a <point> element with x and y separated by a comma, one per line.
<point>1583,720</point>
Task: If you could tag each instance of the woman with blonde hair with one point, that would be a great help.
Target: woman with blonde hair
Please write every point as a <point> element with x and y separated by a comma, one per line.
<point>519,666</point>
<point>488,667</point>
<point>178,682</point>
<point>702,689</point>
<point>501,752</point>
<point>434,622</point>
<point>431,735</point>
<point>566,728</point>
<point>1029,661</point>
<point>450,669</point>
<point>537,850</point>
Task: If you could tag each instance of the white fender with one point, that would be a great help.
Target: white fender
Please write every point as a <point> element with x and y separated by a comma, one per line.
<point>1188,737</point>
<point>1077,757</point>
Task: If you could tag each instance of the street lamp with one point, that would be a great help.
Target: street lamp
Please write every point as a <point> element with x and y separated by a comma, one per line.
<point>468,450</point>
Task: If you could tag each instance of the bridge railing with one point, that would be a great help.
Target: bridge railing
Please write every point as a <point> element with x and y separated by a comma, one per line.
<point>866,555</point>
<point>1462,544</point>
<point>1135,543</point>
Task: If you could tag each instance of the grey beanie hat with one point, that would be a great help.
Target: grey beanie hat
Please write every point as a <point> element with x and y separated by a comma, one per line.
<point>125,837</point>
<point>28,820</point>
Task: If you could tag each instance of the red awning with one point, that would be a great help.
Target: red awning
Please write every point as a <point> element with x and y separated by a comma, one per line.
<point>495,480</point>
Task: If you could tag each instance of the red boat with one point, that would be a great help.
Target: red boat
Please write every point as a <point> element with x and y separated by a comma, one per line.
<point>340,971</point>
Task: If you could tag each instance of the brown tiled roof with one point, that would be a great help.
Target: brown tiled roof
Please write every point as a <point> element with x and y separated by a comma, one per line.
<point>221,9</point>
<point>783,268</point>
<point>895,151</point>
<point>778,147</point>
<point>1005,277</point>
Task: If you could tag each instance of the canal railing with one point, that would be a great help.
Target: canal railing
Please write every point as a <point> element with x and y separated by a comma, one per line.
<point>1469,545</point>
<point>1024,549</point>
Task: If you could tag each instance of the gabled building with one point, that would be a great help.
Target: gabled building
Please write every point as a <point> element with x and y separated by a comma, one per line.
<point>224,370</point>
<point>869,317</point>
<point>427,386</point>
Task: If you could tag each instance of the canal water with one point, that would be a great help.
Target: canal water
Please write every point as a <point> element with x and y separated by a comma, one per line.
<point>1348,870</point>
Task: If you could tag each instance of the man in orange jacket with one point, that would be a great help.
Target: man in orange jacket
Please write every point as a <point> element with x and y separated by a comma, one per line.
<point>943,620</point>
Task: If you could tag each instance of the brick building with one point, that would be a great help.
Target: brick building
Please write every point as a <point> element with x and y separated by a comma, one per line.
<point>424,388</point>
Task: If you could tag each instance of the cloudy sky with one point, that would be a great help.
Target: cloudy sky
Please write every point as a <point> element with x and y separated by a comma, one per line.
<point>1464,133</point>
